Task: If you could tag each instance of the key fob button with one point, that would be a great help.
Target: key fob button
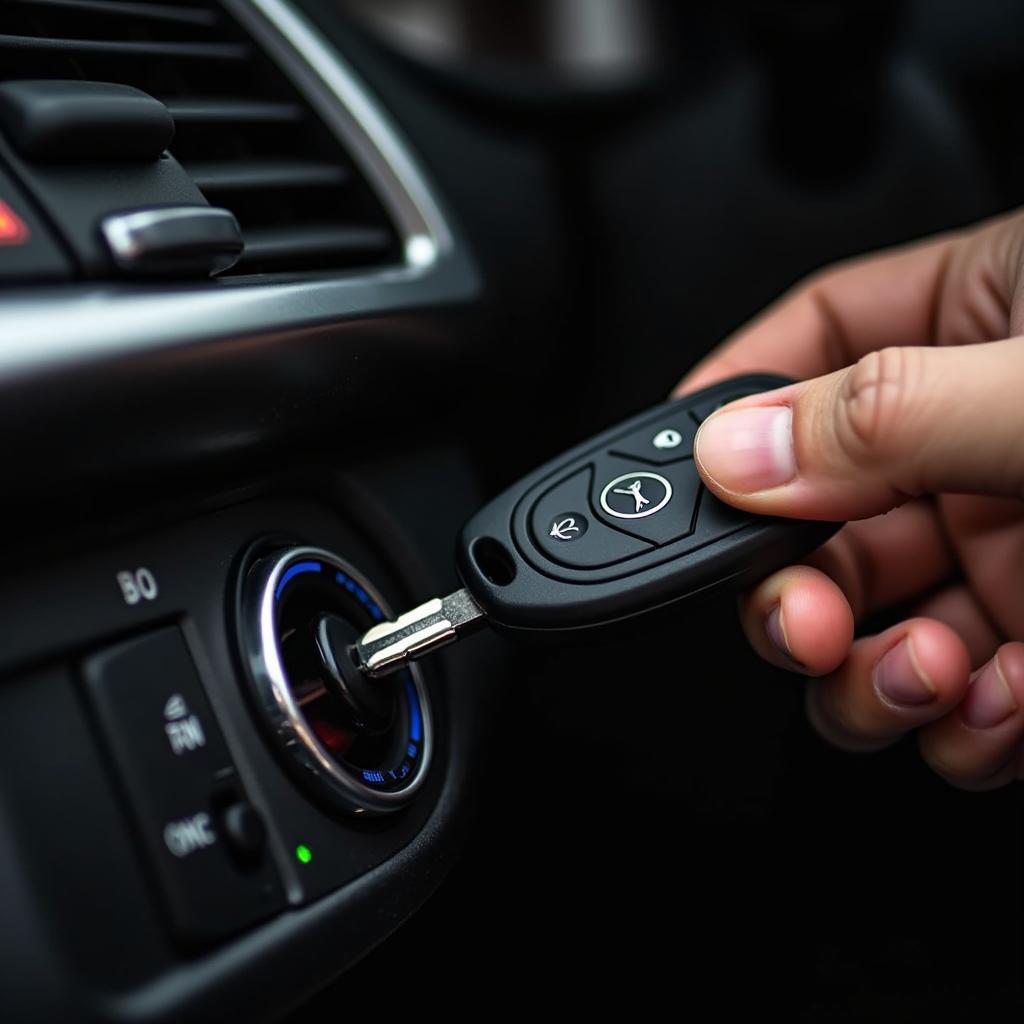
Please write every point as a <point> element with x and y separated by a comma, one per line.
<point>715,519</point>
<point>703,410</point>
<point>564,530</point>
<point>654,506</point>
<point>635,495</point>
<point>666,440</point>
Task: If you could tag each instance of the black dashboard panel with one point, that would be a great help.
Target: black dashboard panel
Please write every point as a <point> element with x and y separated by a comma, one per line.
<point>163,853</point>
<point>98,356</point>
<point>79,858</point>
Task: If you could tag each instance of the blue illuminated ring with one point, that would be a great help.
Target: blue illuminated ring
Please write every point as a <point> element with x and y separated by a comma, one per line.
<point>356,790</point>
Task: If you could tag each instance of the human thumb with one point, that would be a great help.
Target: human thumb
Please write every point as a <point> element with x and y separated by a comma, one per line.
<point>899,423</point>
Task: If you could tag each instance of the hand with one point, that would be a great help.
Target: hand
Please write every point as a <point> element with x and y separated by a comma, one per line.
<point>913,406</point>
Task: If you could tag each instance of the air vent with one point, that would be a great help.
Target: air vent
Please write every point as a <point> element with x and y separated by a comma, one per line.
<point>244,133</point>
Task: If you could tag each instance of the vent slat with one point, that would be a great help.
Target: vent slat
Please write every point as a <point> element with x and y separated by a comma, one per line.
<point>281,244</point>
<point>238,175</point>
<point>212,111</point>
<point>105,48</point>
<point>139,11</point>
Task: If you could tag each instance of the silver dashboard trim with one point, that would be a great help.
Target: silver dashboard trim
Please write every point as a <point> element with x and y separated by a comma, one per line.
<point>357,120</point>
<point>60,328</point>
<point>133,248</point>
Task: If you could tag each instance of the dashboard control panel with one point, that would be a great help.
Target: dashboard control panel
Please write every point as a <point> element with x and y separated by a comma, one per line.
<point>203,839</point>
<point>212,778</point>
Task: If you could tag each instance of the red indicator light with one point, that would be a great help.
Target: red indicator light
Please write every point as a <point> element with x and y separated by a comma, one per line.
<point>335,739</point>
<point>13,230</point>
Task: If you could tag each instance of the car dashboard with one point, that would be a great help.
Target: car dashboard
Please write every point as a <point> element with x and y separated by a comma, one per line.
<point>181,835</point>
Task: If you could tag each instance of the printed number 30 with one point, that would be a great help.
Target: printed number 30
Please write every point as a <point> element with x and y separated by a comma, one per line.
<point>137,586</point>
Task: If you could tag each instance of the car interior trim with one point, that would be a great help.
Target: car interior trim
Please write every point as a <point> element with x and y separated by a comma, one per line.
<point>59,328</point>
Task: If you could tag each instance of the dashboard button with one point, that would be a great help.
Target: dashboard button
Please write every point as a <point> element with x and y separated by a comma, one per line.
<point>565,531</point>
<point>171,759</point>
<point>244,830</point>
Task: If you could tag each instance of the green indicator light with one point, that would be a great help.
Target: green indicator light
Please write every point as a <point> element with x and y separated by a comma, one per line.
<point>303,854</point>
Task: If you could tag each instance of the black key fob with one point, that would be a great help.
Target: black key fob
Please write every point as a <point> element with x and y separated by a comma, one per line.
<point>622,524</point>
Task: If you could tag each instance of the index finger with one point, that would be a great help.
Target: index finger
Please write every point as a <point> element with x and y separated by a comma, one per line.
<point>956,288</point>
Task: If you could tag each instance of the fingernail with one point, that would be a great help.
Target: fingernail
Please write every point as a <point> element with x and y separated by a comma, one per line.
<point>777,635</point>
<point>748,450</point>
<point>899,679</point>
<point>990,700</point>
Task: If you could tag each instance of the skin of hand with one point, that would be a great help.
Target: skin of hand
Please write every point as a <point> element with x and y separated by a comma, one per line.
<point>908,421</point>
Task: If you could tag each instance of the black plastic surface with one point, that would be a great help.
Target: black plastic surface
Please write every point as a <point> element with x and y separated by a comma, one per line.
<point>69,854</point>
<point>672,439</point>
<point>169,756</point>
<point>564,528</point>
<point>720,547</point>
<point>28,250</point>
<point>76,122</point>
<point>613,479</point>
<point>76,198</point>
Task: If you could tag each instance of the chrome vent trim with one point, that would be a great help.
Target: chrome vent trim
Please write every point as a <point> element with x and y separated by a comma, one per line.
<point>359,124</point>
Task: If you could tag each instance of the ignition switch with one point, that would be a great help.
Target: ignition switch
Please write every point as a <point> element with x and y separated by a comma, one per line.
<point>363,746</point>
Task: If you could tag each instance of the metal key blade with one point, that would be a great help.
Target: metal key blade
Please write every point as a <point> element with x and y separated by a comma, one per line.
<point>390,646</point>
